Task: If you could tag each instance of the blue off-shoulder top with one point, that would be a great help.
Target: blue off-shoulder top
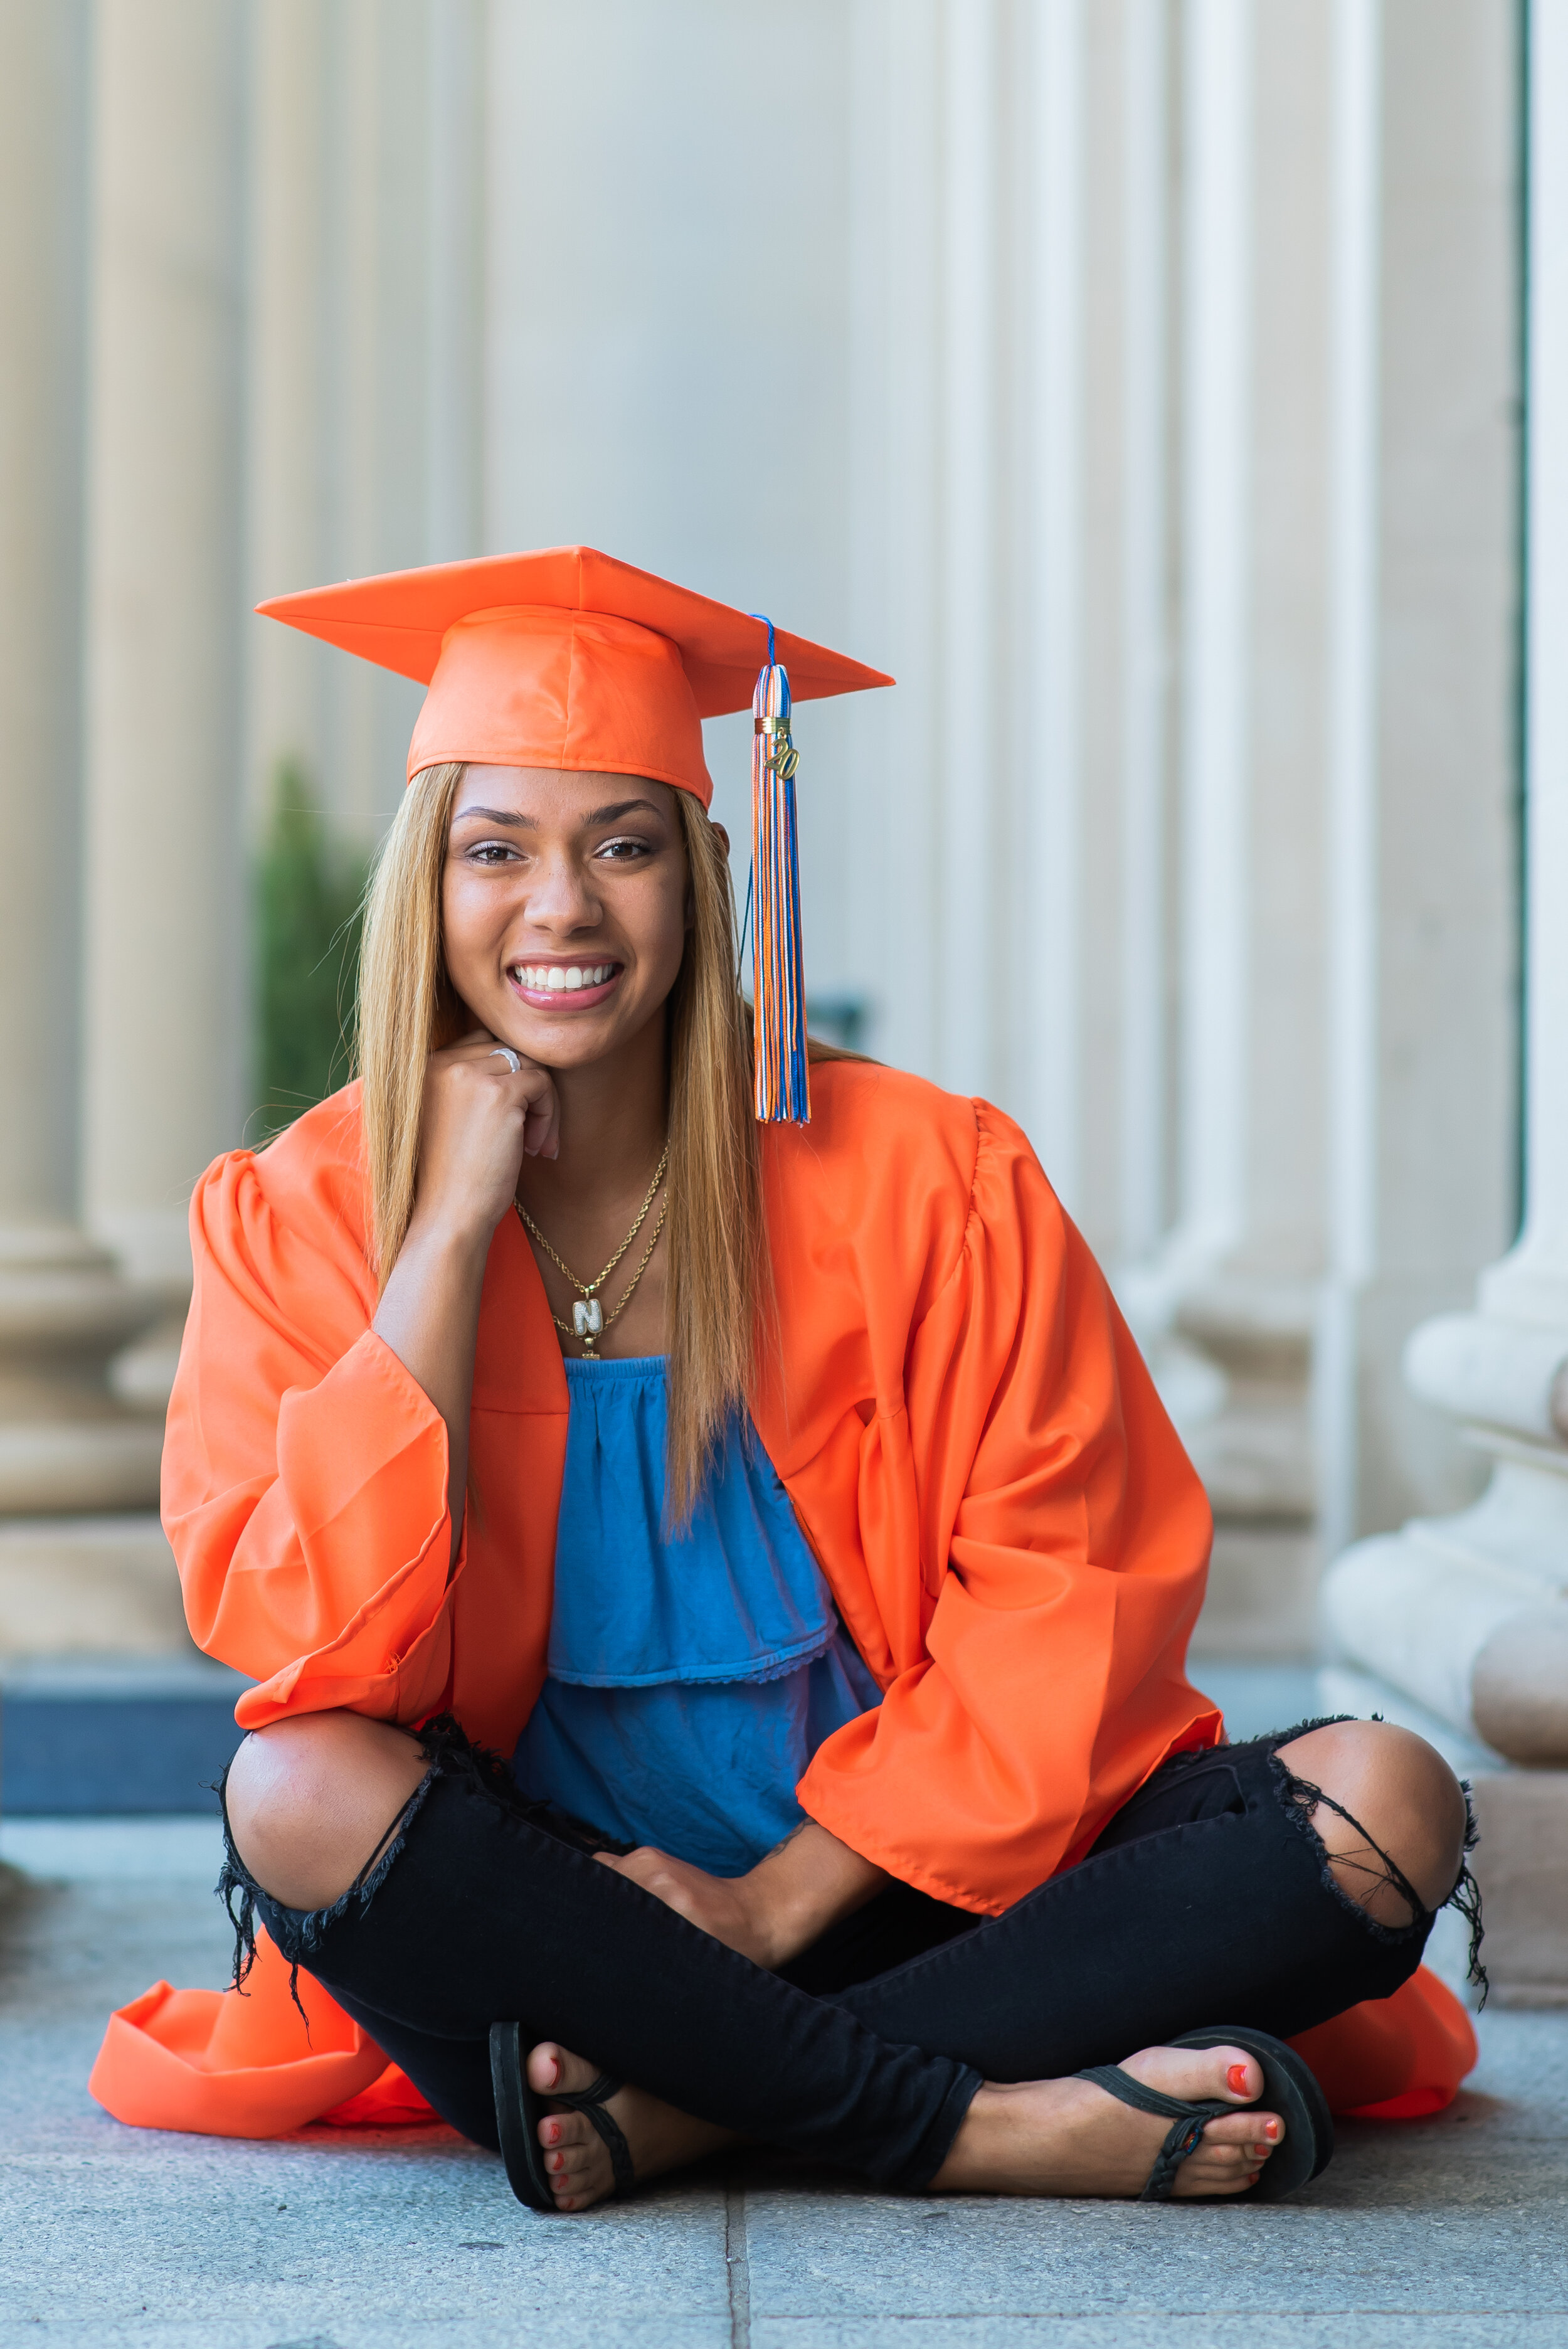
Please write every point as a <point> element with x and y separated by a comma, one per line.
<point>689,1681</point>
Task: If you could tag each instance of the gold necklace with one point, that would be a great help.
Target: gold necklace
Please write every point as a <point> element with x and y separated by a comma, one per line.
<point>588,1318</point>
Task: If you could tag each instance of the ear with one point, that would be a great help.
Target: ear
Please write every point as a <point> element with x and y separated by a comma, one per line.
<point>723,839</point>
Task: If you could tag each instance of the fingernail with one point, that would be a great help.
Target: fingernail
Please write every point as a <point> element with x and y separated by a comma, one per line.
<point>1236,2079</point>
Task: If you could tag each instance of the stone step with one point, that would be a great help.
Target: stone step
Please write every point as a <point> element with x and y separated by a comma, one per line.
<point>100,1737</point>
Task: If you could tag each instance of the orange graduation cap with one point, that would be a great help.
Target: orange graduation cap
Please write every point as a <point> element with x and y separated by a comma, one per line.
<point>565,658</point>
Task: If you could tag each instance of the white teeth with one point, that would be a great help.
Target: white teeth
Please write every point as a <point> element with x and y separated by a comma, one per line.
<point>557,979</point>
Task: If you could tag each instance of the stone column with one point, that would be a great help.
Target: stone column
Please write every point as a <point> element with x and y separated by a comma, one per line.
<point>61,1305</point>
<point>165,951</point>
<point>969,580</point>
<point>1421,766</point>
<point>1224,1302</point>
<point>1466,1613</point>
<point>288,677</point>
<point>66,1442</point>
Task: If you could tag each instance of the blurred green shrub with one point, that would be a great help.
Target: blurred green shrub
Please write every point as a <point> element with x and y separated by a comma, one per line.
<point>308,887</point>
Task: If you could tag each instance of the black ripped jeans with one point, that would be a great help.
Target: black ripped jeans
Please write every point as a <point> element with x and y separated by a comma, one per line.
<point>1207,1899</point>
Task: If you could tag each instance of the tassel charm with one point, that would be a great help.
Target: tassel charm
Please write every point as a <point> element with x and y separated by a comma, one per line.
<point>782,1092</point>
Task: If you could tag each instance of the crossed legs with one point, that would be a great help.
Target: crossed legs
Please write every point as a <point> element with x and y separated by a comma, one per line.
<point>312,1802</point>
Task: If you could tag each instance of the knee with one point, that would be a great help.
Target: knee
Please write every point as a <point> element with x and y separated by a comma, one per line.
<point>1401,1793</point>
<point>311,1800</point>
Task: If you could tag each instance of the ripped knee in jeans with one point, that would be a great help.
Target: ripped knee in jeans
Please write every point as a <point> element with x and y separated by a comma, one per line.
<point>1300,1799</point>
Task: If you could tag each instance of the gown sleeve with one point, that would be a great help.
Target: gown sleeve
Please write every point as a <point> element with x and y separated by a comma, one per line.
<point>304,1470</point>
<point>1064,1539</point>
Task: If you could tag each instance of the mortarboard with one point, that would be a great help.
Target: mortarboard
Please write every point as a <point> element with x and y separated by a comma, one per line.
<point>566,658</point>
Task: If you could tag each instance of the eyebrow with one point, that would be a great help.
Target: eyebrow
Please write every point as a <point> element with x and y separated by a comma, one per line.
<point>510,817</point>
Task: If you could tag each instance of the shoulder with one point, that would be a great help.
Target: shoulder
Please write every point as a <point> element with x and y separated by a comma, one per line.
<point>863,1115</point>
<point>897,1162</point>
<point>300,1193</point>
<point>884,1125</point>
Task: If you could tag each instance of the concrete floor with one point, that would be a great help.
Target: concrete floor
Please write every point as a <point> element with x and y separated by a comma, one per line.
<point>1453,2232</point>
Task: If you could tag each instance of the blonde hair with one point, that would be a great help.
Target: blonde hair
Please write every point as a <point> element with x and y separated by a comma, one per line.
<point>718,1289</point>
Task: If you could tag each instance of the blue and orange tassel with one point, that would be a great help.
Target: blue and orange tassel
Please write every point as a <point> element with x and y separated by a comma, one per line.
<point>778,984</point>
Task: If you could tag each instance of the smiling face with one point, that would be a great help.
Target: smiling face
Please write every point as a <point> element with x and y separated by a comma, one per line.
<point>564,904</point>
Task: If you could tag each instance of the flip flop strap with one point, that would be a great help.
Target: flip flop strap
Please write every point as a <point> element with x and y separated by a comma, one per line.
<point>1189,2121</point>
<point>592,2100</point>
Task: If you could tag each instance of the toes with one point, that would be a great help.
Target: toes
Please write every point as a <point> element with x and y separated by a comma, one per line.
<point>1265,2129</point>
<point>545,2067</point>
<point>566,2129</point>
<point>1222,2076</point>
<point>554,2070</point>
<point>1242,2074</point>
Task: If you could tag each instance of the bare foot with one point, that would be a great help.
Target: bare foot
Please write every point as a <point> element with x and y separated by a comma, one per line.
<point>576,2156</point>
<point>1070,2137</point>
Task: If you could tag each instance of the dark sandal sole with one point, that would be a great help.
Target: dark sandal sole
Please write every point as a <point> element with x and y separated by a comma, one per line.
<point>518,2113</point>
<point>1290,2091</point>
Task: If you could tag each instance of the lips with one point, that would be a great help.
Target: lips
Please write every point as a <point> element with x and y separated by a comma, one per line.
<point>560,986</point>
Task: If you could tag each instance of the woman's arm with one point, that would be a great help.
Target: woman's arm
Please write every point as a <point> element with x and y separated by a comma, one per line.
<point>785,1903</point>
<point>478,1119</point>
<point>310,1457</point>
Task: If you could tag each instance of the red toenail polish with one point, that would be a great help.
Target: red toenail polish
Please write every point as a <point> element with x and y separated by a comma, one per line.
<point>1271,2128</point>
<point>1236,2079</point>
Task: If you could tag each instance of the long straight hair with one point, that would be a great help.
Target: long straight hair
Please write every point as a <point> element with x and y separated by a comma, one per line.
<point>718,1291</point>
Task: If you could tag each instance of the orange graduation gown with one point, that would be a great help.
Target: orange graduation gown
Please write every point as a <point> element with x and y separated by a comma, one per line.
<point>975,1450</point>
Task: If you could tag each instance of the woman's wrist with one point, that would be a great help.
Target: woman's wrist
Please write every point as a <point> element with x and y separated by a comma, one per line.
<point>804,1886</point>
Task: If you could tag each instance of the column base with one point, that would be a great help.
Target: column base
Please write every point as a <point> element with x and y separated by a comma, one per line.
<point>67,1440</point>
<point>1522,1866</point>
<point>89,1586</point>
<point>1260,1605</point>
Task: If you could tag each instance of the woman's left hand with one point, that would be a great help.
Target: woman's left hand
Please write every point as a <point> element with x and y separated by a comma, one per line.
<point>721,1905</point>
<point>775,1911</point>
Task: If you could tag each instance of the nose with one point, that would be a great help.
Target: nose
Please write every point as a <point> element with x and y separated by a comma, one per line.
<point>562,900</point>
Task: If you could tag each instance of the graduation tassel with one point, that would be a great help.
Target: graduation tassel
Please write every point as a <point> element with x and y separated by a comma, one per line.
<point>778,986</point>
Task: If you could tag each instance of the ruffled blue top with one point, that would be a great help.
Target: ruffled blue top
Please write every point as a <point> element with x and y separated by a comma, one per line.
<point>690,1680</point>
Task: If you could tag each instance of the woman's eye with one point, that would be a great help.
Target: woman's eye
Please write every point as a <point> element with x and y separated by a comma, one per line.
<point>492,851</point>
<point>623,851</point>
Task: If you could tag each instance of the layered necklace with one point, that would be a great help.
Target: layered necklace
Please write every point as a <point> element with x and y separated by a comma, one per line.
<point>589,1320</point>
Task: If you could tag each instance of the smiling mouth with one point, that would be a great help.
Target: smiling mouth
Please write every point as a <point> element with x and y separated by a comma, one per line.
<point>558,984</point>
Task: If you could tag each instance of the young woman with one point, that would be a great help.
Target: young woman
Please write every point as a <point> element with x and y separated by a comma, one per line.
<point>785,1502</point>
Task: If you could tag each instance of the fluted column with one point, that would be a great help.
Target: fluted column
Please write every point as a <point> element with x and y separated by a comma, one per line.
<point>66,1443</point>
<point>1225,1298</point>
<point>166,977</point>
<point>1466,1612</point>
<point>288,681</point>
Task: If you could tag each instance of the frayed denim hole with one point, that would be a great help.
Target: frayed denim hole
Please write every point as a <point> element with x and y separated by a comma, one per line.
<point>307,1927</point>
<point>1466,1898</point>
<point>235,1879</point>
<point>1298,1798</point>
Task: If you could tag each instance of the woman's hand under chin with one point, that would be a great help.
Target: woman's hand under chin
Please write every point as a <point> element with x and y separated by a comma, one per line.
<point>776,1910</point>
<point>481,1118</point>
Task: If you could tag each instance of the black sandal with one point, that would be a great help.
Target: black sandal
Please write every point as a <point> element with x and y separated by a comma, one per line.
<point>1288,2089</point>
<point>518,2109</point>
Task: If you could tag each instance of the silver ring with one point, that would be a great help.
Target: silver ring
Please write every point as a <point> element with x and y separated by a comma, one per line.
<point>504,1052</point>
